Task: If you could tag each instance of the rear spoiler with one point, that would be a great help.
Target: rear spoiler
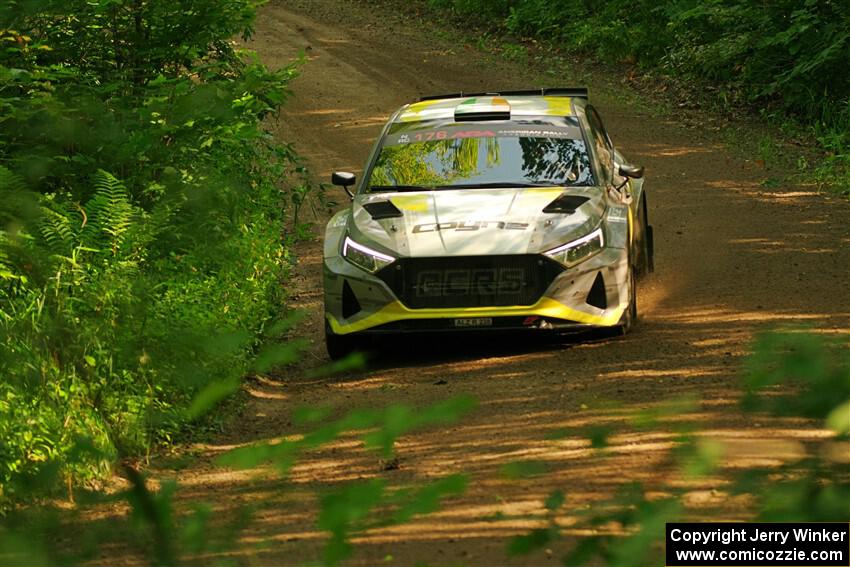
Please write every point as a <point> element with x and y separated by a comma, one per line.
<point>578,92</point>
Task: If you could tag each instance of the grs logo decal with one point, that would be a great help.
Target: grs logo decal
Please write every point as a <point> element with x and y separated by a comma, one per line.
<point>465,226</point>
<point>442,283</point>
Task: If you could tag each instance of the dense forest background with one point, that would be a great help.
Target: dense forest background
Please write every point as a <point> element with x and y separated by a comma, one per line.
<point>786,60</point>
<point>142,244</point>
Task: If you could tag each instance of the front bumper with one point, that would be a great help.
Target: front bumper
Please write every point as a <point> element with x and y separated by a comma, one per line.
<point>563,306</point>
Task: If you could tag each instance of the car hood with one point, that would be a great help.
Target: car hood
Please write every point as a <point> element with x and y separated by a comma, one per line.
<point>473,222</point>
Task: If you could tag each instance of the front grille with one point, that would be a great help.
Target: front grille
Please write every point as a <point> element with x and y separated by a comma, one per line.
<point>470,281</point>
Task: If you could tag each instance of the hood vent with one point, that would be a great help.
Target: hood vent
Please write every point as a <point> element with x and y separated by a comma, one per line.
<point>566,204</point>
<point>382,210</point>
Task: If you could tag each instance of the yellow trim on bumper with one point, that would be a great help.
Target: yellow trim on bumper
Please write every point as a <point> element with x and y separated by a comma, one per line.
<point>546,307</point>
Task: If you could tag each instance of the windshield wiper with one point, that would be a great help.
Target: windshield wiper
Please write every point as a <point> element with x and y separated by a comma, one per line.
<point>501,184</point>
<point>398,188</point>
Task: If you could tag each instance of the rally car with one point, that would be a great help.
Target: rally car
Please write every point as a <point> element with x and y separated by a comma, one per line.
<point>487,211</point>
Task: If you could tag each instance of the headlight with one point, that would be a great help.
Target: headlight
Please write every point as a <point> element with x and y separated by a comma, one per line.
<point>578,250</point>
<point>364,257</point>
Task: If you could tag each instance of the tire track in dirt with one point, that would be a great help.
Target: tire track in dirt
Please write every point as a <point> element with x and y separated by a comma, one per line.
<point>732,258</point>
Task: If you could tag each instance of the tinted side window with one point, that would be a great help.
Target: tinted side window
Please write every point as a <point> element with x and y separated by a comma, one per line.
<point>602,143</point>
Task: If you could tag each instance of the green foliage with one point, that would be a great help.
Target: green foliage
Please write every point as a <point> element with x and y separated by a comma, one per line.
<point>786,58</point>
<point>790,51</point>
<point>516,470</point>
<point>342,510</point>
<point>535,539</point>
<point>142,227</point>
<point>818,372</point>
<point>167,537</point>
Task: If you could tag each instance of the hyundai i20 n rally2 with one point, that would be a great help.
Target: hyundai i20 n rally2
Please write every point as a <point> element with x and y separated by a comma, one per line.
<point>488,211</point>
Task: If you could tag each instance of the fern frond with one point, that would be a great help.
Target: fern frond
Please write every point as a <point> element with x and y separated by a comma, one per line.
<point>6,268</point>
<point>17,203</point>
<point>57,231</point>
<point>10,181</point>
<point>110,213</point>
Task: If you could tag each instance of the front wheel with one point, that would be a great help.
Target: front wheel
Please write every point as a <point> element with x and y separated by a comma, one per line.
<point>645,243</point>
<point>629,318</point>
<point>338,346</point>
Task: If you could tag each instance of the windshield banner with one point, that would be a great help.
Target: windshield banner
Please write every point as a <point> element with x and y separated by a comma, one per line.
<point>482,131</point>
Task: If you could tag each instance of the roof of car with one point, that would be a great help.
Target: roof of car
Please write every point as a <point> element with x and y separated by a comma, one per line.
<point>551,102</point>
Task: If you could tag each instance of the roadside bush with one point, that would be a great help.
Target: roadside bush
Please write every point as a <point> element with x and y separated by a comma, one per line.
<point>789,53</point>
<point>785,58</point>
<point>141,225</point>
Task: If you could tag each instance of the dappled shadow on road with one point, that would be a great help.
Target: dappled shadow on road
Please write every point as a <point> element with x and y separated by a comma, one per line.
<point>537,403</point>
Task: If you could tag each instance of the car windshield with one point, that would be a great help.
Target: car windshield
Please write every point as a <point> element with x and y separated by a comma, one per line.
<point>478,156</point>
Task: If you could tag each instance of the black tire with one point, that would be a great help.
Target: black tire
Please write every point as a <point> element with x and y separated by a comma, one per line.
<point>338,346</point>
<point>645,246</point>
<point>650,244</point>
<point>629,318</point>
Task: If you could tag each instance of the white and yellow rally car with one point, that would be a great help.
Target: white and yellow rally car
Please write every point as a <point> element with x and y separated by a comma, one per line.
<point>487,211</point>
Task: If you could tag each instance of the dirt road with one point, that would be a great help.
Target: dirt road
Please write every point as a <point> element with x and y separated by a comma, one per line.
<point>733,257</point>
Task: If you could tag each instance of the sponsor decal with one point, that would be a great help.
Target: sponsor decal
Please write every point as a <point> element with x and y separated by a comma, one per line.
<point>469,225</point>
<point>618,214</point>
<point>443,135</point>
<point>441,283</point>
<point>463,132</point>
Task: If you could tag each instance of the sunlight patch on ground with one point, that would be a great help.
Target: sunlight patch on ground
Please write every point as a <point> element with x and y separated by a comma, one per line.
<point>655,373</point>
<point>678,152</point>
<point>675,151</point>
<point>514,400</point>
<point>266,395</point>
<point>789,194</point>
<point>715,315</point>
<point>330,41</point>
<point>716,342</point>
<point>224,477</point>
<point>749,453</point>
<point>360,124</point>
<point>762,241</point>
<point>311,304</point>
<point>326,111</point>
<point>427,531</point>
<point>737,185</point>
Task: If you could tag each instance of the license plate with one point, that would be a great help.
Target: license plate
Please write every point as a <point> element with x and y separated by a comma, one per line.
<point>474,322</point>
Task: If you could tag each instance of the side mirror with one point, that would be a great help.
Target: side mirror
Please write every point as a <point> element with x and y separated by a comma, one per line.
<point>633,171</point>
<point>345,180</point>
